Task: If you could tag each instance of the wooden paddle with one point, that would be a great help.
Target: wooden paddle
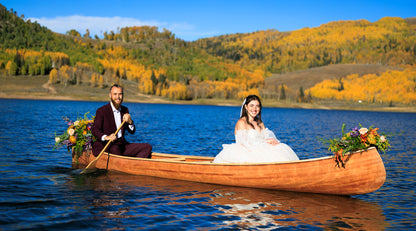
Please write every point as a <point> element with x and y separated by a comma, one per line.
<point>92,163</point>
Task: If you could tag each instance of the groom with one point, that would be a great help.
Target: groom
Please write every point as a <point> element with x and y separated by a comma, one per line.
<point>107,119</point>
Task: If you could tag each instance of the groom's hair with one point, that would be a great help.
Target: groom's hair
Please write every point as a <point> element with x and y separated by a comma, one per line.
<point>117,86</point>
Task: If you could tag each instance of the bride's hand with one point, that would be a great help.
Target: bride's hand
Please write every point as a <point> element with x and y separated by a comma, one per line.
<point>272,141</point>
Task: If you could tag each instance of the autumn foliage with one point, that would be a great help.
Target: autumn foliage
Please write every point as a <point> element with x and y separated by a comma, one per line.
<point>391,86</point>
<point>227,66</point>
<point>389,41</point>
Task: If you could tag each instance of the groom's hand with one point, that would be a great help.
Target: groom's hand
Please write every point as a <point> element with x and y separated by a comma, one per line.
<point>111,137</point>
<point>127,118</point>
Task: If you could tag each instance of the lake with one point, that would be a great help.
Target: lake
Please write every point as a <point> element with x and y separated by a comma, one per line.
<point>40,191</point>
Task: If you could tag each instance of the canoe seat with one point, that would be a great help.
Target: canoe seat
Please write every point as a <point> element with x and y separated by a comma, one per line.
<point>175,159</point>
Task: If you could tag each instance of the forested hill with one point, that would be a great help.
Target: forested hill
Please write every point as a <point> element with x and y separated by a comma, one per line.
<point>228,66</point>
<point>389,41</point>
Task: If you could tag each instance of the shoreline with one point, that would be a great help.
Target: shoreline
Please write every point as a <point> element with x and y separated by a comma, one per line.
<point>214,102</point>
<point>37,88</point>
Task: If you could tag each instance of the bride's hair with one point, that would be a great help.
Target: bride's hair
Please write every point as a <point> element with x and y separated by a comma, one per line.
<point>244,112</point>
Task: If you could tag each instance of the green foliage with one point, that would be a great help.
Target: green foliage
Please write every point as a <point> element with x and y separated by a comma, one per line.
<point>77,136</point>
<point>73,32</point>
<point>355,140</point>
<point>16,33</point>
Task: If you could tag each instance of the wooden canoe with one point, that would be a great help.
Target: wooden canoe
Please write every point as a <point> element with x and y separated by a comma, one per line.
<point>364,171</point>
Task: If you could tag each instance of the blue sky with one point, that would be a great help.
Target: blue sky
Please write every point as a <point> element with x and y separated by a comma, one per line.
<point>191,20</point>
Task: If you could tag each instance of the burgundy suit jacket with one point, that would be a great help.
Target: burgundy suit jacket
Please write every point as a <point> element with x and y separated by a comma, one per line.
<point>104,124</point>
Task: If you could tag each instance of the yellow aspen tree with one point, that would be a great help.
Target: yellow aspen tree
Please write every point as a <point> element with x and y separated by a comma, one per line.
<point>11,68</point>
<point>53,76</point>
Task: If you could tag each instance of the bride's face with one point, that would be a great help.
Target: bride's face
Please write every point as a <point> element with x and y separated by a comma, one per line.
<point>253,108</point>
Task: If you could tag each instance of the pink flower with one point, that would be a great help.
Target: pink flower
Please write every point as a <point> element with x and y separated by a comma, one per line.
<point>363,131</point>
<point>382,138</point>
<point>71,131</point>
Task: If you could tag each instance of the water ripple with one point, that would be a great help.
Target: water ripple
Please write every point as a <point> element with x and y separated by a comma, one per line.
<point>40,191</point>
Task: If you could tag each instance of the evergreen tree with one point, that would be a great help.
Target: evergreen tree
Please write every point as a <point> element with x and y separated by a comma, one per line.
<point>301,97</point>
<point>282,92</point>
<point>73,32</point>
<point>341,85</point>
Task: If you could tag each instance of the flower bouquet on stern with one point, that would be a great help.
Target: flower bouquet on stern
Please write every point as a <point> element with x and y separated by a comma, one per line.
<point>355,140</point>
<point>77,137</point>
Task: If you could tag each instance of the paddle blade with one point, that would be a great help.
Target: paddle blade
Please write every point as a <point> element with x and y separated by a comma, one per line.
<point>90,167</point>
<point>88,171</point>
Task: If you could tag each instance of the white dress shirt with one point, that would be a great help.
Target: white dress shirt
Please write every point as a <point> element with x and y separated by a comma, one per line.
<point>117,118</point>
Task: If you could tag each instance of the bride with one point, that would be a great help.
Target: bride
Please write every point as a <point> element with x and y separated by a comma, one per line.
<point>254,142</point>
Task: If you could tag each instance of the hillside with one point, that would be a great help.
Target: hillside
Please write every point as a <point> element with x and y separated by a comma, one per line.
<point>310,77</point>
<point>37,87</point>
<point>389,41</point>
<point>152,62</point>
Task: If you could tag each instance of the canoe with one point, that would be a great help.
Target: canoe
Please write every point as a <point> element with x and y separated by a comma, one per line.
<point>364,171</point>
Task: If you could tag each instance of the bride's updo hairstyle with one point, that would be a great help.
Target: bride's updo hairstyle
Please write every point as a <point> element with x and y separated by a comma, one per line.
<point>244,112</point>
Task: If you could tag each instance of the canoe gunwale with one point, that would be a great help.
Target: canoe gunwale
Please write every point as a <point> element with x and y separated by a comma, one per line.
<point>182,159</point>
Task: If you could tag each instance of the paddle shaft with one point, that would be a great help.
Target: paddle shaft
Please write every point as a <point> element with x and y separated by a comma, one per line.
<point>102,151</point>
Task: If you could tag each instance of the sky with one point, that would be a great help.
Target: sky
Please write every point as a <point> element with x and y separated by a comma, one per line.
<point>195,19</point>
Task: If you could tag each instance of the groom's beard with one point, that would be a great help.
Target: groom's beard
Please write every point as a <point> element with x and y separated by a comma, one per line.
<point>115,104</point>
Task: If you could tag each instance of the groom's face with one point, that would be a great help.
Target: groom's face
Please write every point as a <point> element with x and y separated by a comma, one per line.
<point>116,96</point>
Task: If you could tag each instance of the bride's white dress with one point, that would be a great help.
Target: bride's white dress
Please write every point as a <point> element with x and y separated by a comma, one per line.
<point>251,146</point>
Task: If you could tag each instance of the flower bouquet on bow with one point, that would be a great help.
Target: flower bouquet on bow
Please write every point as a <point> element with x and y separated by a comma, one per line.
<point>355,140</point>
<point>77,137</point>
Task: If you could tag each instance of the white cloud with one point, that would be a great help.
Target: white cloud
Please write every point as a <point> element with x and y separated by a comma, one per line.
<point>96,25</point>
<point>99,25</point>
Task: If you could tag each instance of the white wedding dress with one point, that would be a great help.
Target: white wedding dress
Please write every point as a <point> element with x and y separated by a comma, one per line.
<point>251,147</point>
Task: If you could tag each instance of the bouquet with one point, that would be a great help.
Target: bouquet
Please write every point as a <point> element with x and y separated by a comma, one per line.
<point>357,139</point>
<point>77,136</point>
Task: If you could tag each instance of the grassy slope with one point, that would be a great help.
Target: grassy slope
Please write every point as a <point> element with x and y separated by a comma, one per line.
<point>36,87</point>
<point>308,78</point>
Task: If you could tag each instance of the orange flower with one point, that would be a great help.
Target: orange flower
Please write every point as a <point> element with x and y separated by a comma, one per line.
<point>363,138</point>
<point>374,131</point>
<point>372,139</point>
<point>72,139</point>
<point>84,132</point>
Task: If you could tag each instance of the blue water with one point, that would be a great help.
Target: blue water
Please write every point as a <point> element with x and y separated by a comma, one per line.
<point>40,191</point>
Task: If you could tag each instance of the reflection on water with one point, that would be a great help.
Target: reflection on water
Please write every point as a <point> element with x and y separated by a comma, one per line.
<point>40,191</point>
<point>231,206</point>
